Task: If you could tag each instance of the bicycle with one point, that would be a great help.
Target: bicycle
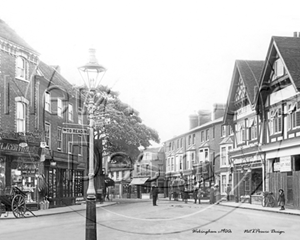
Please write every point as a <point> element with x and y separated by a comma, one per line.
<point>268,199</point>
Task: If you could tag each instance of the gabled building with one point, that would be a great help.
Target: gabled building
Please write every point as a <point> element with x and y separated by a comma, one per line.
<point>278,106</point>
<point>241,157</point>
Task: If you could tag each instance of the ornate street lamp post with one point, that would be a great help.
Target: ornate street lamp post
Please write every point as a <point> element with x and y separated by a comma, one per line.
<point>92,74</point>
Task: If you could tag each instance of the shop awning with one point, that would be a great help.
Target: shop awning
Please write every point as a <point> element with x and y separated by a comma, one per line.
<point>138,181</point>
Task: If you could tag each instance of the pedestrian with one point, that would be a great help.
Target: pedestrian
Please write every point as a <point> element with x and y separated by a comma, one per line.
<point>199,195</point>
<point>154,194</point>
<point>107,194</point>
<point>186,193</point>
<point>217,194</point>
<point>281,199</point>
<point>195,193</point>
<point>228,190</point>
<point>212,195</point>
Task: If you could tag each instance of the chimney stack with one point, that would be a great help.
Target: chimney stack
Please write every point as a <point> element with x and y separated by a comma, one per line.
<point>193,121</point>
<point>204,116</point>
<point>218,111</point>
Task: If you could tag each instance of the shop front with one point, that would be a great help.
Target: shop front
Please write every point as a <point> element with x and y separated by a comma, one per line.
<point>19,166</point>
<point>248,179</point>
<point>63,179</point>
<point>283,172</point>
<point>204,175</point>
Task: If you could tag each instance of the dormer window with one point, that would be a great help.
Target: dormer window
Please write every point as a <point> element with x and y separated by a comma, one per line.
<point>279,69</point>
<point>21,68</point>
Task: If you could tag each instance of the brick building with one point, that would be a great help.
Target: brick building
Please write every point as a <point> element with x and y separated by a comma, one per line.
<point>37,103</point>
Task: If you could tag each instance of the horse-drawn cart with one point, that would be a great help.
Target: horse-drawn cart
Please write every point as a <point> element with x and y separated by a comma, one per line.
<point>13,200</point>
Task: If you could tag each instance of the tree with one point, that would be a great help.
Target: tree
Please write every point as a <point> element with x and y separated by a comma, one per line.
<point>118,127</point>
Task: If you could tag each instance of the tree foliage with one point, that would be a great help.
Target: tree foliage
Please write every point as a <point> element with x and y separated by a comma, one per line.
<point>119,127</point>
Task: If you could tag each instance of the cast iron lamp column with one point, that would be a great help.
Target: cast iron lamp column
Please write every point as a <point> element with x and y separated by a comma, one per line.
<point>91,75</point>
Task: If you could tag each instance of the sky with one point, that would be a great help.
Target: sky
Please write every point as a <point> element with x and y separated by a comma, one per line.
<point>167,58</point>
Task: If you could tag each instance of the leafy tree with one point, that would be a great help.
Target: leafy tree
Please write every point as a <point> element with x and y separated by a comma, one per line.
<point>118,127</point>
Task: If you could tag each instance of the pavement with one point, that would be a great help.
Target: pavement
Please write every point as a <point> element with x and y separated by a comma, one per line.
<point>249,206</point>
<point>74,208</point>
<point>53,211</point>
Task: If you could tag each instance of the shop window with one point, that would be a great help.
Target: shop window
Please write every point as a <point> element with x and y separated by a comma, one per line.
<point>78,184</point>
<point>223,183</point>
<point>296,162</point>
<point>2,175</point>
<point>52,183</point>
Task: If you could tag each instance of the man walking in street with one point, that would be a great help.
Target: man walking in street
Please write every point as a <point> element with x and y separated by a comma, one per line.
<point>228,191</point>
<point>154,194</point>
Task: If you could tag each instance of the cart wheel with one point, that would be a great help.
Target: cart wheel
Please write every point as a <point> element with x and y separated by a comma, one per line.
<point>18,206</point>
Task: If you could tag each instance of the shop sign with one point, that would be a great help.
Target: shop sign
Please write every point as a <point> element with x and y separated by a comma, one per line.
<point>16,148</point>
<point>285,164</point>
<point>75,131</point>
<point>79,200</point>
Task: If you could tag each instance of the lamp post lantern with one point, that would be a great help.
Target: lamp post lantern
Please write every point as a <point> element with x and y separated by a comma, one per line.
<point>92,74</point>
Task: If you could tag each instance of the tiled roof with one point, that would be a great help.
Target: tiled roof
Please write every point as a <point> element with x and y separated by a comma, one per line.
<point>54,76</point>
<point>289,49</point>
<point>250,72</point>
<point>9,34</point>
